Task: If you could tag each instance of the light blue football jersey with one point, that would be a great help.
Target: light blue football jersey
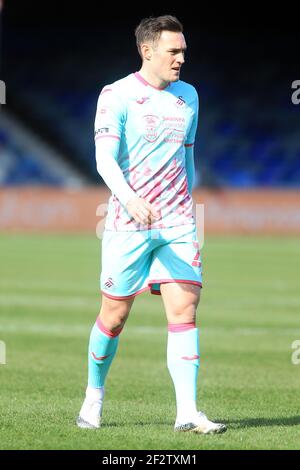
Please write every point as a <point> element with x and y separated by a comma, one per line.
<point>147,130</point>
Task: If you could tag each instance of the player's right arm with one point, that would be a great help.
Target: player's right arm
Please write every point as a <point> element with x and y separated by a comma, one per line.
<point>109,124</point>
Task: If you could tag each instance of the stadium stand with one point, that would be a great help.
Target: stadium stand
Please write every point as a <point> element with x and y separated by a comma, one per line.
<point>27,160</point>
<point>248,127</point>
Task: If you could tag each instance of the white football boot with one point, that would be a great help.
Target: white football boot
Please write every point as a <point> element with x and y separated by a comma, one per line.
<point>200,424</point>
<point>91,411</point>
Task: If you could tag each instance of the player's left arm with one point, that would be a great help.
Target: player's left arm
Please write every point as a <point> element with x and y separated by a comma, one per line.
<point>190,166</point>
<point>189,146</point>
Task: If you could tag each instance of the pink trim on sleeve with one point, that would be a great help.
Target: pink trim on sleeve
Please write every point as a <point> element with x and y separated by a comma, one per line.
<point>107,135</point>
<point>188,145</point>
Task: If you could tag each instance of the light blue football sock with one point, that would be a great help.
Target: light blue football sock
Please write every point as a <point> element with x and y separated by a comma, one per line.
<point>102,349</point>
<point>183,365</point>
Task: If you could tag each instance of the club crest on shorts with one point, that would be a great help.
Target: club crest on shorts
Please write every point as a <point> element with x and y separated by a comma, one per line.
<point>109,283</point>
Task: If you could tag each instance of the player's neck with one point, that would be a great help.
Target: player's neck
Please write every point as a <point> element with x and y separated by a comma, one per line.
<point>152,79</point>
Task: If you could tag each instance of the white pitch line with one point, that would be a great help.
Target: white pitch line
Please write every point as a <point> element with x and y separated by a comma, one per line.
<point>78,302</point>
<point>83,330</point>
<point>56,286</point>
<point>47,301</point>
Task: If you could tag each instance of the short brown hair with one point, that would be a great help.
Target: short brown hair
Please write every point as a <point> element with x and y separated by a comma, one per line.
<point>151,28</point>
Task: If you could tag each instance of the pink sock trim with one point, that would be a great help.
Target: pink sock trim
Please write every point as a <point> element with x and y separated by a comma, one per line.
<point>180,327</point>
<point>111,334</point>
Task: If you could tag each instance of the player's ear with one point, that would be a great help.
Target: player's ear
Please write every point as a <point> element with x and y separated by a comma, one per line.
<point>146,51</point>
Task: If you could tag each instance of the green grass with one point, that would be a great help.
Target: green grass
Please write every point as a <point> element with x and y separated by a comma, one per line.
<point>248,317</point>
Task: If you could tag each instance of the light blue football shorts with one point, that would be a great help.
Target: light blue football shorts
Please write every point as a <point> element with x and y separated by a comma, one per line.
<point>133,262</point>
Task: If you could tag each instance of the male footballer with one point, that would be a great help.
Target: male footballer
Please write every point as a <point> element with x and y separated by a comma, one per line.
<point>144,134</point>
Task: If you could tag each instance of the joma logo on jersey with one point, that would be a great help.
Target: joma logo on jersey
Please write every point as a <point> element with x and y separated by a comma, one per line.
<point>109,283</point>
<point>143,100</point>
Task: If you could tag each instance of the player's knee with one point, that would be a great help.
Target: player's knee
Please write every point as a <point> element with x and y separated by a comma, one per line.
<point>185,312</point>
<point>112,320</point>
<point>114,313</point>
<point>119,319</point>
<point>187,305</point>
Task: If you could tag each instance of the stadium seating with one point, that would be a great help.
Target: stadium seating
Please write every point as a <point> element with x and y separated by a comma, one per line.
<point>19,167</point>
<point>245,138</point>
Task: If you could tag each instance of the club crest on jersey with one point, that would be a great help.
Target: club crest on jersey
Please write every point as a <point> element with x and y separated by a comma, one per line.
<point>151,125</point>
<point>180,102</point>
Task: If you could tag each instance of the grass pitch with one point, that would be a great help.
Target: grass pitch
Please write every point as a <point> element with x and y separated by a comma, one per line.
<point>248,318</point>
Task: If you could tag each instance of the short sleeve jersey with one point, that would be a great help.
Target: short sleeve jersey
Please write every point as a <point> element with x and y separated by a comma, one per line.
<point>147,129</point>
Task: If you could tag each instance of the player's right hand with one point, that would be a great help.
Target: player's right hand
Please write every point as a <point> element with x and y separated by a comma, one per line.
<point>141,210</point>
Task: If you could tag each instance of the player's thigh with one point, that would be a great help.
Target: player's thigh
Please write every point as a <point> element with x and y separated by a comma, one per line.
<point>114,313</point>
<point>180,301</point>
<point>177,268</point>
<point>177,259</point>
<point>126,260</point>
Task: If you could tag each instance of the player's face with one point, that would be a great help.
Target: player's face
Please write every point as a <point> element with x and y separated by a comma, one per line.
<point>168,56</point>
